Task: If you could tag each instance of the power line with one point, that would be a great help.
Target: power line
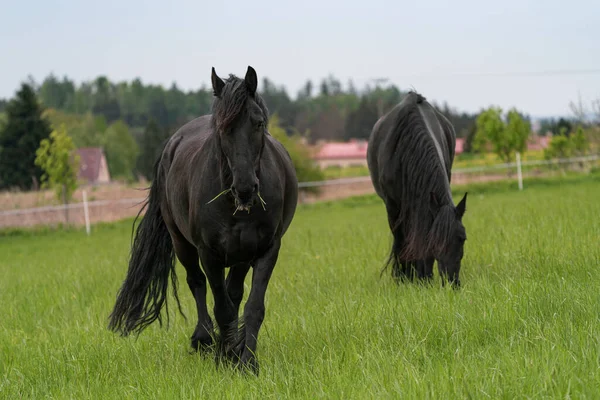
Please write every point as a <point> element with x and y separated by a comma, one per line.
<point>557,72</point>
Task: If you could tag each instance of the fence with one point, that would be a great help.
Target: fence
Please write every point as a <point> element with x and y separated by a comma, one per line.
<point>87,212</point>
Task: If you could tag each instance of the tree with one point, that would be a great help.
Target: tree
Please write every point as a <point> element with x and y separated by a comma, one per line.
<point>56,156</point>
<point>359,123</point>
<point>505,138</point>
<point>20,137</point>
<point>306,170</point>
<point>89,131</point>
<point>580,142</point>
<point>121,150</point>
<point>560,146</point>
<point>104,100</point>
<point>151,144</point>
<point>469,140</point>
<point>563,126</point>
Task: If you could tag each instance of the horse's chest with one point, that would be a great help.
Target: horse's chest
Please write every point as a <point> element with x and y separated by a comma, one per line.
<point>245,242</point>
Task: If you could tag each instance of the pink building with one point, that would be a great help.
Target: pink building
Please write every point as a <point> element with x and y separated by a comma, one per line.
<point>92,165</point>
<point>354,152</point>
<point>341,154</point>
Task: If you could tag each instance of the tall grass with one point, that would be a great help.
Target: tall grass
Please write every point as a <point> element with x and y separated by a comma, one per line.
<point>525,324</point>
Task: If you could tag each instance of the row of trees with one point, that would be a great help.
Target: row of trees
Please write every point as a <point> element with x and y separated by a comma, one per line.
<point>132,121</point>
<point>37,146</point>
<point>327,111</point>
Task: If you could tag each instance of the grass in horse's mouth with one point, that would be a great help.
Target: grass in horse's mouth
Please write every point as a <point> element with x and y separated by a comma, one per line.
<point>239,206</point>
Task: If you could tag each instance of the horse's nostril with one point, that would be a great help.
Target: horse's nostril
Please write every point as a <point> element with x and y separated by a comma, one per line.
<point>244,195</point>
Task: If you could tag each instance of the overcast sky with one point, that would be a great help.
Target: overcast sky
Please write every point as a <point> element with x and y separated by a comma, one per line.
<point>448,50</point>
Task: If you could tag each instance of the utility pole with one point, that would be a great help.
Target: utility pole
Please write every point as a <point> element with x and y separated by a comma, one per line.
<point>379,81</point>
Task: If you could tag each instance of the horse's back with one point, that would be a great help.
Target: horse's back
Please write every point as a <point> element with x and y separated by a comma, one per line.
<point>188,139</point>
<point>412,116</point>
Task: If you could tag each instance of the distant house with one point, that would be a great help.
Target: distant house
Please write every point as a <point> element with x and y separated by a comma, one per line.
<point>460,146</point>
<point>354,152</point>
<point>92,165</point>
<point>537,142</point>
<point>341,154</point>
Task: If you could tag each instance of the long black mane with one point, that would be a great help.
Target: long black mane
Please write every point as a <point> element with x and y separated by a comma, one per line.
<point>420,170</point>
<point>231,104</point>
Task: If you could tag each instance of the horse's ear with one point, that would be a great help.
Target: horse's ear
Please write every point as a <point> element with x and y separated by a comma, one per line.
<point>217,83</point>
<point>461,207</point>
<point>251,80</point>
<point>434,203</point>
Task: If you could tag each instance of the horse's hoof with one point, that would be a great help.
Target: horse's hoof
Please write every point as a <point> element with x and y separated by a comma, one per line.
<point>248,363</point>
<point>201,343</point>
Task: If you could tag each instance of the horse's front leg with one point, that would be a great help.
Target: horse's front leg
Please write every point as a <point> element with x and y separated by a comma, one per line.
<point>224,309</point>
<point>254,310</point>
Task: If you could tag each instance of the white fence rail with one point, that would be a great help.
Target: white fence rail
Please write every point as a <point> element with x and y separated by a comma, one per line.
<point>134,203</point>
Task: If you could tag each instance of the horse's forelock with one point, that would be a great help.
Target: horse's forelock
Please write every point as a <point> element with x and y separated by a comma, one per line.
<point>228,107</point>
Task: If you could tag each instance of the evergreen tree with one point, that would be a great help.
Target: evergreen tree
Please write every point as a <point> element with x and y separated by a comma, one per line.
<point>360,122</point>
<point>151,144</point>
<point>20,137</point>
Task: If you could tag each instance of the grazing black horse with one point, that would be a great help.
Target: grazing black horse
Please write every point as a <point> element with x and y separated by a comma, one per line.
<point>410,156</point>
<point>225,192</point>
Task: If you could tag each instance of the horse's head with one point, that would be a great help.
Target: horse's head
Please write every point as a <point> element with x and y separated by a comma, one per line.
<point>240,120</point>
<point>447,236</point>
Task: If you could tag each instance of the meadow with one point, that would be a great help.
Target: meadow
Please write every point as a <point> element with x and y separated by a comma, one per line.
<point>526,323</point>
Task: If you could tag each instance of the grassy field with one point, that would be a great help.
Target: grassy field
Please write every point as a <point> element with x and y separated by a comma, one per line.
<point>526,323</point>
<point>463,160</point>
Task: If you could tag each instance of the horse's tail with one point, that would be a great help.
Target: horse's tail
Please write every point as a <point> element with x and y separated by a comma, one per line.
<point>144,291</point>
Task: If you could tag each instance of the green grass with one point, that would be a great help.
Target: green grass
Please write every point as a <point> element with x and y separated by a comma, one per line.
<point>464,160</point>
<point>526,323</point>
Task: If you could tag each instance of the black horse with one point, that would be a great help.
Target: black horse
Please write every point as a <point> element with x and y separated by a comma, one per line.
<point>410,156</point>
<point>225,192</point>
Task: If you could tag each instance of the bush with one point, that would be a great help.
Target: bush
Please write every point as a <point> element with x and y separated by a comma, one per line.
<point>306,169</point>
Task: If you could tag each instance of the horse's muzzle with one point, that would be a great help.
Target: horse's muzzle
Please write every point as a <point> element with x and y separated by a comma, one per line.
<point>245,195</point>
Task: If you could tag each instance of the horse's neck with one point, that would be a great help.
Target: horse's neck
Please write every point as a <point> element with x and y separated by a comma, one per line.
<point>218,160</point>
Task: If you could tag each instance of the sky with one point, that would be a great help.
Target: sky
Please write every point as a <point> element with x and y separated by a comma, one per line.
<point>471,54</point>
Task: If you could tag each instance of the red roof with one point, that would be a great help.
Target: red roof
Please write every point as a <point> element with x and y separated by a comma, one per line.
<point>341,150</point>
<point>89,164</point>
<point>358,149</point>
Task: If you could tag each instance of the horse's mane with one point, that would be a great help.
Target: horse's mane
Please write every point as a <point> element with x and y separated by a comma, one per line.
<point>231,103</point>
<point>416,164</point>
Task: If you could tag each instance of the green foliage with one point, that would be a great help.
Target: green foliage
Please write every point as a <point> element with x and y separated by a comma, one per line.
<point>151,144</point>
<point>524,325</point>
<point>556,127</point>
<point>56,156</point>
<point>88,130</point>
<point>359,123</point>
<point>322,111</point>
<point>581,143</point>
<point>20,136</point>
<point>564,145</point>
<point>121,150</point>
<point>469,146</point>
<point>505,138</point>
<point>306,170</point>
